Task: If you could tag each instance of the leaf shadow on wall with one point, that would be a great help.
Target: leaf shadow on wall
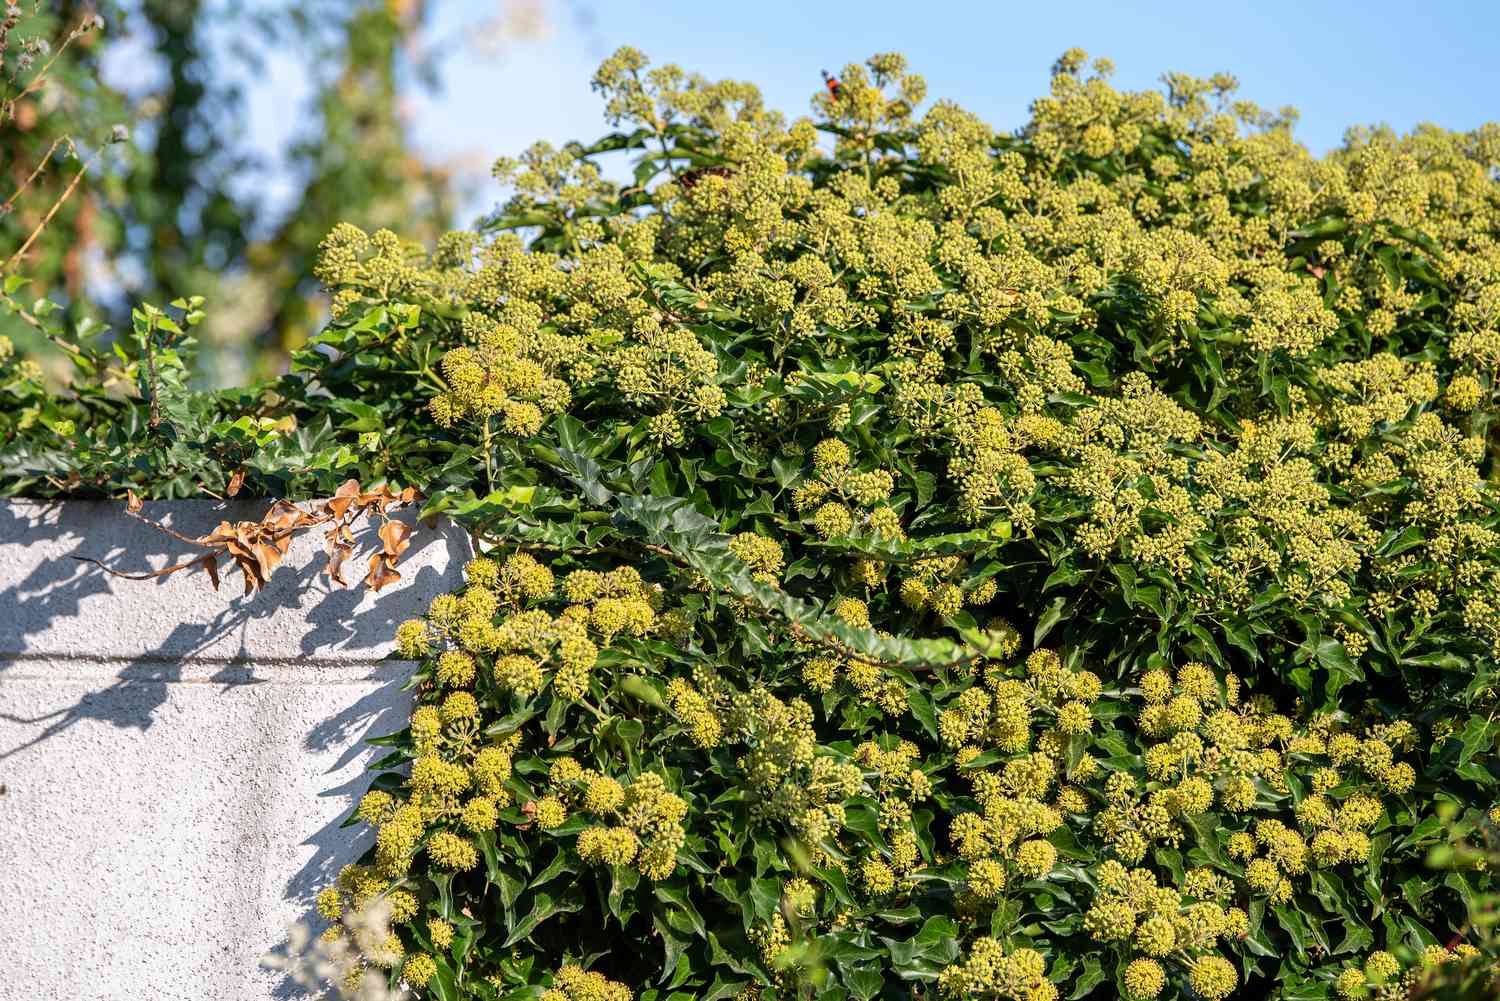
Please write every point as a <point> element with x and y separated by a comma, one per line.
<point>45,614</point>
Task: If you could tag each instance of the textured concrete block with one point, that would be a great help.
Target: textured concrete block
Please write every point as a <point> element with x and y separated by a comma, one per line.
<point>176,760</point>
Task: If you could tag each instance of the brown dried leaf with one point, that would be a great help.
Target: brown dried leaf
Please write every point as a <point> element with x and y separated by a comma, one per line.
<point>285,517</point>
<point>239,550</point>
<point>256,548</point>
<point>245,565</point>
<point>346,494</point>
<point>396,535</point>
<point>372,500</point>
<point>336,557</point>
<point>266,557</point>
<point>382,571</point>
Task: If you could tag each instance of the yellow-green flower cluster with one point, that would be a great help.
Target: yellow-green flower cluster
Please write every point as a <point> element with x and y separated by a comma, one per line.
<point>784,773</point>
<point>1163,927</point>
<point>357,894</point>
<point>840,499</point>
<point>573,983</point>
<point>990,972</point>
<point>665,368</point>
<point>1004,710</point>
<point>1005,842</point>
<point>352,262</point>
<point>648,828</point>
<point>495,622</point>
<point>762,555</point>
<point>1380,969</point>
<point>504,373</point>
<point>935,584</point>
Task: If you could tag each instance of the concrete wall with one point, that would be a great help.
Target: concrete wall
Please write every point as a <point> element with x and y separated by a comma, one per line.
<point>175,761</point>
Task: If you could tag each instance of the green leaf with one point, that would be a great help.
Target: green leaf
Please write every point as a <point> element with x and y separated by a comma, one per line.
<point>1478,734</point>
<point>1049,618</point>
<point>543,907</point>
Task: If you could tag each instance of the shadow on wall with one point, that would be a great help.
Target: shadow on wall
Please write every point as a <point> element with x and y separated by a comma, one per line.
<point>111,651</point>
<point>153,627</point>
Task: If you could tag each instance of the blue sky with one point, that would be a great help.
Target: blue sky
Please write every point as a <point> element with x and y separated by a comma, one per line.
<point>1339,63</point>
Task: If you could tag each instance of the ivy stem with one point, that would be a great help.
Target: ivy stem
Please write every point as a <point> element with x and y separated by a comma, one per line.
<point>10,203</point>
<point>489,456</point>
<point>56,205</point>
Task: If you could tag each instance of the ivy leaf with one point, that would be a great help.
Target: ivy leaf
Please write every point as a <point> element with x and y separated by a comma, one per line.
<point>543,907</point>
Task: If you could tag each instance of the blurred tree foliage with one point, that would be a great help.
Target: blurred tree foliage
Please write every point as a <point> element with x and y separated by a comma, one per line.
<point>355,161</point>
<point>177,210</point>
<point>55,116</point>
